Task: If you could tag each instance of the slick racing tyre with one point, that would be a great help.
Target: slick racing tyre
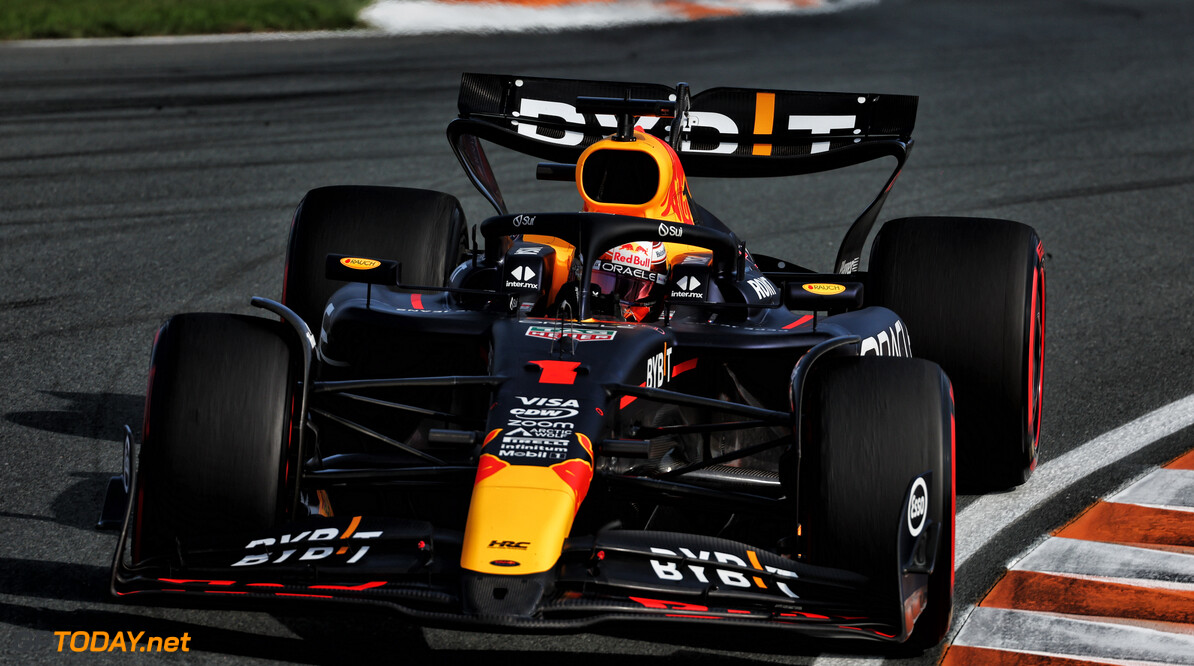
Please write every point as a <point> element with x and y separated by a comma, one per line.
<point>972,292</point>
<point>877,473</point>
<point>217,432</point>
<point>423,230</point>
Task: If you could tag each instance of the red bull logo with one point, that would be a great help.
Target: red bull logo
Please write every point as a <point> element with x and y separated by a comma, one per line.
<point>638,255</point>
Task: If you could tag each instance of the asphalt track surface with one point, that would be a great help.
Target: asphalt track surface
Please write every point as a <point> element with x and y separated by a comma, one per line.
<point>140,181</point>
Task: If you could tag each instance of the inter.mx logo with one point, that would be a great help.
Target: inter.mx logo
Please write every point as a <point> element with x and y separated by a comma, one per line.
<point>578,334</point>
<point>523,273</point>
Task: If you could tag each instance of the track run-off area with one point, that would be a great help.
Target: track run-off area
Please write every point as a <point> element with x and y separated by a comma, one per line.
<point>140,178</point>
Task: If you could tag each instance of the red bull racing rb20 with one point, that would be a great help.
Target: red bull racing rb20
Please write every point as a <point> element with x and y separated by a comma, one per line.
<point>559,421</point>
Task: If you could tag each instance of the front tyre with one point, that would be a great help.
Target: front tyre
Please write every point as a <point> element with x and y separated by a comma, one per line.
<point>877,426</point>
<point>217,431</point>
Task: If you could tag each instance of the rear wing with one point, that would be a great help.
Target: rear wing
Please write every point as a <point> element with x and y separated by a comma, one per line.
<point>721,132</point>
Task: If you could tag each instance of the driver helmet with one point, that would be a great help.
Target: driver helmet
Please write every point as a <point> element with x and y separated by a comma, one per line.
<point>628,281</point>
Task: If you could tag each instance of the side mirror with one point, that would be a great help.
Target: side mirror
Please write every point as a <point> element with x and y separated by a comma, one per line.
<point>822,295</point>
<point>362,269</point>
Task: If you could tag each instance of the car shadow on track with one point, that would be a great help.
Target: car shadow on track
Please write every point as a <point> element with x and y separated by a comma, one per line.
<point>99,416</point>
<point>77,506</point>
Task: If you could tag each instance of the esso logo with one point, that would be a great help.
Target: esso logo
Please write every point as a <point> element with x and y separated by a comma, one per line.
<point>918,506</point>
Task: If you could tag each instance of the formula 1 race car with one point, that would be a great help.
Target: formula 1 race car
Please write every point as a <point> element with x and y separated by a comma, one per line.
<point>612,415</point>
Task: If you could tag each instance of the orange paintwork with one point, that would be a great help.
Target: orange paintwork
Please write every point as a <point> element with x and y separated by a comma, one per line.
<point>527,505</point>
<point>670,201</point>
<point>764,120</point>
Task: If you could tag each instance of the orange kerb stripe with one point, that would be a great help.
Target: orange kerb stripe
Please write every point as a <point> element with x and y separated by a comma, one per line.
<point>1132,524</point>
<point>764,120</point>
<point>1184,462</point>
<point>964,655</point>
<point>1051,593</point>
<point>697,11</point>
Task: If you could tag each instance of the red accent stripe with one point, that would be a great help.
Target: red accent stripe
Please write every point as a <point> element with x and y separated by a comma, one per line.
<point>684,366</point>
<point>266,585</point>
<point>490,465</point>
<point>953,483</point>
<point>1031,355</point>
<point>309,596</point>
<point>672,605</point>
<point>356,588</point>
<point>627,399</point>
<point>557,372</point>
<point>799,322</point>
<point>416,301</point>
<point>811,616</point>
<point>577,474</point>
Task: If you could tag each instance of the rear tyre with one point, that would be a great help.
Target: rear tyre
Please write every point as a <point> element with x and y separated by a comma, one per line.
<point>423,230</point>
<point>217,431</point>
<point>875,425</point>
<point>972,292</point>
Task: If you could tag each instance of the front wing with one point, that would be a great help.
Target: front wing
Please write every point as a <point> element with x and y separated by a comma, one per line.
<point>615,576</point>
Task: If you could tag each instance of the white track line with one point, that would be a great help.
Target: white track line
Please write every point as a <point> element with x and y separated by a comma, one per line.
<point>982,520</point>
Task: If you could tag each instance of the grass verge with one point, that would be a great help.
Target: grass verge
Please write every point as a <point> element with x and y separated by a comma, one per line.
<point>36,19</point>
